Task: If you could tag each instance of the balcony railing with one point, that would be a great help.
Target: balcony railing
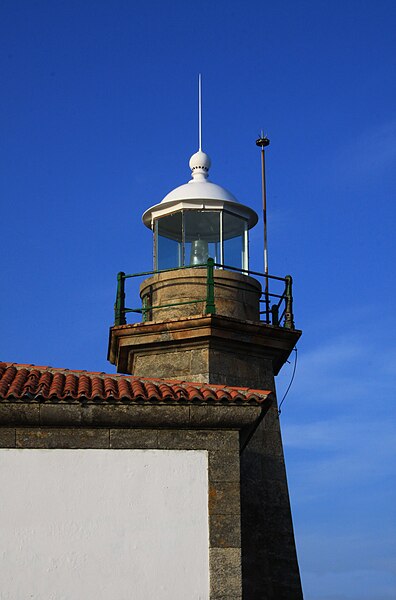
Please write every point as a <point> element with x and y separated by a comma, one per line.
<point>277,305</point>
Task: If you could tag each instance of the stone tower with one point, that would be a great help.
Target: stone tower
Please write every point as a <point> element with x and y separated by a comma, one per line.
<point>202,322</point>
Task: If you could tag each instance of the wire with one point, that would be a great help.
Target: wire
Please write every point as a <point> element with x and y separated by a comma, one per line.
<point>291,381</point>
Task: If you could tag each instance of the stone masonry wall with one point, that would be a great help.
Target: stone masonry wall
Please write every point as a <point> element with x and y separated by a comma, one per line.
<point>223,475</point>
<point>269,560</point>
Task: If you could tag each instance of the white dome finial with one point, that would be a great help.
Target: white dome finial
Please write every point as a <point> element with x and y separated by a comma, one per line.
<point>200,165</point>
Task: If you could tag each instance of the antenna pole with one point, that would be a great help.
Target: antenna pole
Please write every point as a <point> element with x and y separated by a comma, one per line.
<point>263,142</point>
<point>200,111</point>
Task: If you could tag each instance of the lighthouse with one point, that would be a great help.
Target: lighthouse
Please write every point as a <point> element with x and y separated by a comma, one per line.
<point>205,317</point>
<point>167,479</point>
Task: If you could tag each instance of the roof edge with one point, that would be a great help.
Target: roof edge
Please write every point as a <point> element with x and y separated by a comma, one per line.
<point>45,384</point>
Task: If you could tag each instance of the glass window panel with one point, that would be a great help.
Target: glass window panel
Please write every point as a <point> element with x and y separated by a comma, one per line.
<point>235,241</point>
<point>202,236</point>
<point>169,242</point>
<point>233,252</point>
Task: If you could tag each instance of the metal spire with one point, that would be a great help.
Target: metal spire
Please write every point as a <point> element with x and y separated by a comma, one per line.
<point>199,112</point>
<point>263,142</point>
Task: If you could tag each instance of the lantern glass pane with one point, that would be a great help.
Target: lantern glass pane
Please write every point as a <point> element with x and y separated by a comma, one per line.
<point>169,242</point>
<point>201,236</point>
<point>235,241</point>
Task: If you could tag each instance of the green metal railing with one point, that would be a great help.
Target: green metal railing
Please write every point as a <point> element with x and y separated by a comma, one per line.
<point>278,306</point>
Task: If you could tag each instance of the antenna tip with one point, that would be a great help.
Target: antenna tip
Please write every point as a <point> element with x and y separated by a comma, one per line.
<point>199,112</point>
<point>262,141</point>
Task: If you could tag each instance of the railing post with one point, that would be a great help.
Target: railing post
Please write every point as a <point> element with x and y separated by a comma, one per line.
<point>275,315</point>
<point>267,301</point>
<point>289,319</point>
<point>210,297</point>
<point>119,306</point>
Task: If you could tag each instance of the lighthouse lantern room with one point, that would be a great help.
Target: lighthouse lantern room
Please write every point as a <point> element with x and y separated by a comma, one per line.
<point>198,220</point>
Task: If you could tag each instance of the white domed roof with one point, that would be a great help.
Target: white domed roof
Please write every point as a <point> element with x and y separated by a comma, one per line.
<point>199,190</point>
<point>199,194</point>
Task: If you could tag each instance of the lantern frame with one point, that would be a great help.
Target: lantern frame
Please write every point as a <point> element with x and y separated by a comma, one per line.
<point>196,202</point>
<point>227,238</point>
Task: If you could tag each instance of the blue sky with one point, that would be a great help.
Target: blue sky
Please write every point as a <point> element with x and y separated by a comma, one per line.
<point>98,121</point>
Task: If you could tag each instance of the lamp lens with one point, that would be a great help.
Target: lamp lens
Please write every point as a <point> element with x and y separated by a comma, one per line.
<point>199,252</point>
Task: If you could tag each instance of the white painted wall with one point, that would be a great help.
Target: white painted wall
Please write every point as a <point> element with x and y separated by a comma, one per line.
<point>103,525</point>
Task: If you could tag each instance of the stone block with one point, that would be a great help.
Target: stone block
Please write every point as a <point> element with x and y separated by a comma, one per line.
<point>224,531</point>
<point>167,364</point>
<point>276,494</point>
<point>282,543</point>
<point>62,438</point>
<point>224,466</point>
<point>230,365</point>
<point>198,440</point>
<point>133,438</point>
<point>224,498</point>
<point>60,414</point>
<point>235,369</point>
<point>286,579</point>
<point>200,361</point>
<point>223,415</point>
<point>273,468</point>
<point>225,572</point>
<point>148,415</point>
<point>271,421</point>
<point>19,414</point>
<point>272,444</point>
<point>7,437</point>
<point>279,523</point>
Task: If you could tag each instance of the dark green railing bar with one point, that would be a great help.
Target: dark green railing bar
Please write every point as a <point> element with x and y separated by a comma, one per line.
<point>279,318</point>
<point>210,282</point>
<point>289,318</point>
<point>119,306</point>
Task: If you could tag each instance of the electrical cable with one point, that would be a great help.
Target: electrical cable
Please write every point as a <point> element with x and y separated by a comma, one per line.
<point>291,381</point>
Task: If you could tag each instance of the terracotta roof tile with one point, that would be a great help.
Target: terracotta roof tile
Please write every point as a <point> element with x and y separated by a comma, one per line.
<point>84,386</point>
<point>57,384</point>
<point>15,389</point>
<point>46,384</point>
<point>7,379</point>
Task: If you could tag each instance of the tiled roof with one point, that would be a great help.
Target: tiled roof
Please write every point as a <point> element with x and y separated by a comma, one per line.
<point>30,383</point>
